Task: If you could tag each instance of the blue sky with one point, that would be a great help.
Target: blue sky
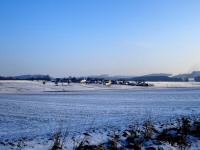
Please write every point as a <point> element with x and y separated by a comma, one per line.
<point>88,37</point>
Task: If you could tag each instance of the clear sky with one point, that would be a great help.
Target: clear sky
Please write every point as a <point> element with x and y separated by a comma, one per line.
<point>89,37</point>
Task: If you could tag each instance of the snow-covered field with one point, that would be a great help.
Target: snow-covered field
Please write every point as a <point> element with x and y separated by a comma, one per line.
<point>27,87</point>
<point>33,110</point>
<point>176,84</point>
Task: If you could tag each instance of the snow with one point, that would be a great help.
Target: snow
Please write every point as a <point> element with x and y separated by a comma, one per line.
<point>36,111</point>
<point>176,84</point>
<point>26,87</point>
<point>38,87</point>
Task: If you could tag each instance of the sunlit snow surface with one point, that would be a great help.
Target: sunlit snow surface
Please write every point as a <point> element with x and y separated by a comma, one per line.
<point>31,109</point>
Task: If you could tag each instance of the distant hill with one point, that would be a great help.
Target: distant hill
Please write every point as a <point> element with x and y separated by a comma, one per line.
<point>107,77</point>
<point>155,78</point>
<point>159,74</point>
<point>27,77</point>
<point>149,77</point>
<point>194,74</point>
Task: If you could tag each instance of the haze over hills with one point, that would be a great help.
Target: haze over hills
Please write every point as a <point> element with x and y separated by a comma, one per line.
<point>148,77</point>
<point>189,75</point>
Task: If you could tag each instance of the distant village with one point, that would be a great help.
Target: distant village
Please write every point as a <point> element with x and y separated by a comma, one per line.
<point>112,80</point>
<point>98,81</point>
